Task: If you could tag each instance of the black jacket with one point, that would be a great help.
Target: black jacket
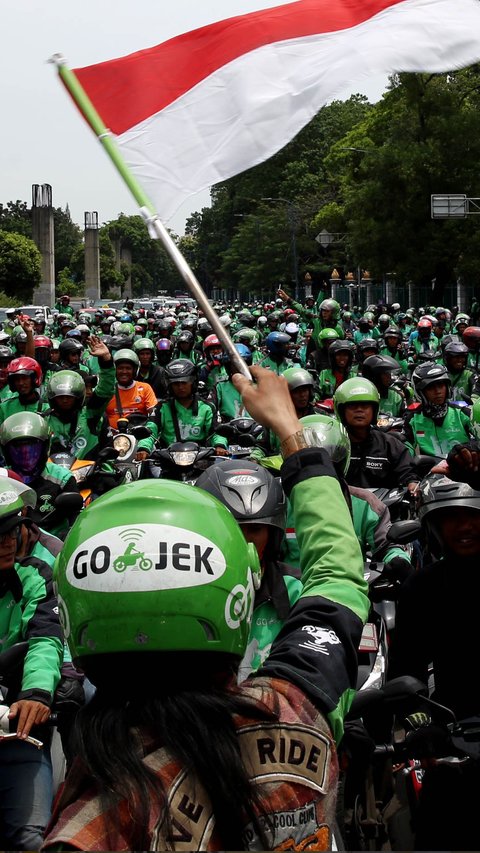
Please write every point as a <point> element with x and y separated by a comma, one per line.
<point>382,461</point>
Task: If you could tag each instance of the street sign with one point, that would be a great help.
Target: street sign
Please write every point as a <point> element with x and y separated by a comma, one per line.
<point>449,206</point>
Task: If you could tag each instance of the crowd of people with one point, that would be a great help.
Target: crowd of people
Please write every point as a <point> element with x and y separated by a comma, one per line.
<point>223,664</point>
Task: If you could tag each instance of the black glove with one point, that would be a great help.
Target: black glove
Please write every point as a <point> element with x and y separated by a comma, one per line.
<point>398,568</point>
<point>69,694</point>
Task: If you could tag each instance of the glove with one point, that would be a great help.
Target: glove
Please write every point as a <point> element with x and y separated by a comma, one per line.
<point>69,694</point>
<point>398,568</point>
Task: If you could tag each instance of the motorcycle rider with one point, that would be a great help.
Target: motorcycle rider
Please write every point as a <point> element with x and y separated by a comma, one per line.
<point>393,340</point>
<point>255,498</point>
<point>224,395</point>
<point>25,442</point>
<point>464,382</point>
<point>184,416</point>
<point>436,427</point>
<point>71,352</point>
<point>432,609</point>
<point>24,379</point>
<point>379,459</point>
<point>276,344</point>
<point>148,371</point>
<point>301,386</point>
<point>194,720</point>
<point>77,423</point>
<point>382,370</point>
<point>28,612</point>
<point>132,400</point>
<point>340,356</point>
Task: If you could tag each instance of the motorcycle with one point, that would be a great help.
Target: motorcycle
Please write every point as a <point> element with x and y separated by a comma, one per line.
<point>183,461</point>
<point>115,464</point>
<point>242,435</point>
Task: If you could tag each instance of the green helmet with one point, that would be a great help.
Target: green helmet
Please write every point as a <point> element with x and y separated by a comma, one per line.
<point>12,491</point>
<point>355,390</point>
<point>126,355</point>
<point>330,434</point>
<point>476,412</point>
<point>66,383</point>
<point>327,335</point>
<point>23,425</point>
<point>126,329</point>
<point>143,344</point>
<point>246,334</point>
<point>11,506</point>
<point>156,566</point>
<point>297,377</point>
<point>331,305</point>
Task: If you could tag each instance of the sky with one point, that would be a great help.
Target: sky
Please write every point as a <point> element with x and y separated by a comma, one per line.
<point>44,139</point>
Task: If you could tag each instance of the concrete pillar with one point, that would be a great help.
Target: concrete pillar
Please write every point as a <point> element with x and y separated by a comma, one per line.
<point>43,236</point>
<point>92,256</point>
<point>389,290</point>
<point>411,296</point>
<point>462,298</point>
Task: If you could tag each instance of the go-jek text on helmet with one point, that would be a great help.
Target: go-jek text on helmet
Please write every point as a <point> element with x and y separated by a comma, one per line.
<point>437,496</point>
<point>181,370</point>
<point>330,434</point>
<point>155,566</point>
<point>355,390</point>
<point>24,366</point>
<point>251,493</point>
<point>66,383</point>
<point>126,355</point>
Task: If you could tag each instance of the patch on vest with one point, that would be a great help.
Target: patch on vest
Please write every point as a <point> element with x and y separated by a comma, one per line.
<point>293,753</point>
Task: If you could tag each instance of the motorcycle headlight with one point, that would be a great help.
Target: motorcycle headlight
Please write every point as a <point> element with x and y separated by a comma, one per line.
<point>81,474</point>
<point>184,457</point>
<point>123,443</point>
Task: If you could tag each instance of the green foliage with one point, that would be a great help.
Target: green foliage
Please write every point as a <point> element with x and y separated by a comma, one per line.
<point>68,239</point>
<point>152,270</point>
<point>15,217</point>
<point>66,284</point>
<point>20,266</point>
<point>7,301</point>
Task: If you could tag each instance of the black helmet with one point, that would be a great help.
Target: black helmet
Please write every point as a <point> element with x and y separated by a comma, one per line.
<point>186,337</point>
<point>364,345</point>
<point>69,346</point>
<point>424,375</point>
<point>251,493</point>
<point>340,346</point>
<point>393,332</point>
<point>455,348</point>
<point>437,492</point>
<point>374,365</point>
<point>181,370</point>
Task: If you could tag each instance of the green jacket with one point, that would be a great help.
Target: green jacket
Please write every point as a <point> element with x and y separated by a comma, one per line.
<point>270,364</point>
<point>28,611</point>
<point>12,405</point>
<point>194,424</point>
<point>82,432</point>
<point>425,436</point>
<point>313,649</point>
<point>228,401</point>
<point>393,404</point>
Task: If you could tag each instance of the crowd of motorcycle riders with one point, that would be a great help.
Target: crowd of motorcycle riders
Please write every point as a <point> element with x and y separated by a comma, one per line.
<point>372,401</point>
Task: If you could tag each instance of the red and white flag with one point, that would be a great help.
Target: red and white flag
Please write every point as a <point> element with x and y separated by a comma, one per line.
<point>213,102</point>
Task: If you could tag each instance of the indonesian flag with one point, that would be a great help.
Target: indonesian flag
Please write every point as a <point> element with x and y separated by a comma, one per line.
<point>213,102</point>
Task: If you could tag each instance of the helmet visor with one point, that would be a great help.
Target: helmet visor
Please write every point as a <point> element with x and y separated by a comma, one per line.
<point>26,456</point>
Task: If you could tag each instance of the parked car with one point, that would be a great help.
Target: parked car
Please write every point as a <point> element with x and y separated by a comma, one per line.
<point>33,310</point>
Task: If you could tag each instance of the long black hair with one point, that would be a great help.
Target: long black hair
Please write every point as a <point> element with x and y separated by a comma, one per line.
<point>180,704</point>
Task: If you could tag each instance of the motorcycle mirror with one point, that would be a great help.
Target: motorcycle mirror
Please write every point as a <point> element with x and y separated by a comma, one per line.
<point>68,502</point>
<point>402,532</point>
<point>140,432</point>
<point>106,453</point>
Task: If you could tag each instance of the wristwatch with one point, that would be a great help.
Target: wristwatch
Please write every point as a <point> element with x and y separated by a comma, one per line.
<point>297,441</point>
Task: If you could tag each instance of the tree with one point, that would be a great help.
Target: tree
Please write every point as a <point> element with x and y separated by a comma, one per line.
<point>20,266</point>
<point>152,269</point>
<point>15,217</point>
<point>68,239</point>
<point>423,137</point>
